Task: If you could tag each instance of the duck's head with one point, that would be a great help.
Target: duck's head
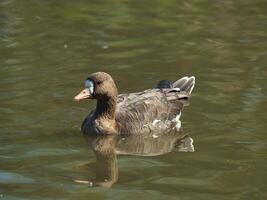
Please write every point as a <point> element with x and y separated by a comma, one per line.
<point>99,85</point>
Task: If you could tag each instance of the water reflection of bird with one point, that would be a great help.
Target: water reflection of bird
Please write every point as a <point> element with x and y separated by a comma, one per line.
<point>106,149</point>
<point>154,109</point>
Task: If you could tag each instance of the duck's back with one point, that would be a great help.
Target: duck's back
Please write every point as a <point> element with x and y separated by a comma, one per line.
<point>154,109</point>
<point>149,110</point>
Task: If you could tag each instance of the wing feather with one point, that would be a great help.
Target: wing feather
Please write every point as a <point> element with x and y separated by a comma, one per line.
<point>135,110</point>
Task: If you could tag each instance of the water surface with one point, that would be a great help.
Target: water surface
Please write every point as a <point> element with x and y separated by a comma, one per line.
<point>47,48</point>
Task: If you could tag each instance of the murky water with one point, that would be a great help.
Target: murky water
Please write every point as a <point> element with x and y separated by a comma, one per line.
<point>47,48</point>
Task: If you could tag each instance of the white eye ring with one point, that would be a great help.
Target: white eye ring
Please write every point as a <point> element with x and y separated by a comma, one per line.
<point>90,85</point>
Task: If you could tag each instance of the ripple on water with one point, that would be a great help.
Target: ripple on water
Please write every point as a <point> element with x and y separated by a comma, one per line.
<point>49,152</point>
<point>9,177</point>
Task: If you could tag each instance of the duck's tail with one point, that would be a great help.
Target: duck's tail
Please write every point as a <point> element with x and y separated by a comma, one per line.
<point>185,84</point>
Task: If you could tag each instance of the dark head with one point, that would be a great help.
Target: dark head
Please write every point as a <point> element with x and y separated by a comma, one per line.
<point>99,85</point>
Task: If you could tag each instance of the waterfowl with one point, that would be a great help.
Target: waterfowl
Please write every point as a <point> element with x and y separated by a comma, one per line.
<point>155,109</point>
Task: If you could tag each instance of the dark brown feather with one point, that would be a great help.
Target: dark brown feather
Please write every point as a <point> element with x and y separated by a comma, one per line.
<point>137,110</point>
<point>133,113</point>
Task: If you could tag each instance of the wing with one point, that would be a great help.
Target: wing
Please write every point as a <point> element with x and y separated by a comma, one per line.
<point>134,111</point>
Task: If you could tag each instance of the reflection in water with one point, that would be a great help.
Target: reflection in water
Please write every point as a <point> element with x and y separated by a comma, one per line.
<point>106,149</point>
<point>223,43</point>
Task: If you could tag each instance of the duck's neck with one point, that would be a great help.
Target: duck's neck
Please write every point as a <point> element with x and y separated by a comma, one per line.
<point>105,108</point>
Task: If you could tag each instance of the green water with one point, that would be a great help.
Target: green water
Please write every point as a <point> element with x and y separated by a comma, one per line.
<point>47,48</point>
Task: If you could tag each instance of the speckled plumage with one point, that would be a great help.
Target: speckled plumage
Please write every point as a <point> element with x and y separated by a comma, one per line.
<point>135,113</point>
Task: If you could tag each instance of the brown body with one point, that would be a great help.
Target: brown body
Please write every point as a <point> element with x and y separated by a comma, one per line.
<point>134,113</point>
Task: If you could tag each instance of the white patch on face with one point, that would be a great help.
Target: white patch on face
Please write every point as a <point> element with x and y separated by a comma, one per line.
<point>90,85</point>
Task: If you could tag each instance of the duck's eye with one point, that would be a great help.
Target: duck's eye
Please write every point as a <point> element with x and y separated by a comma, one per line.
<point>98,82</point>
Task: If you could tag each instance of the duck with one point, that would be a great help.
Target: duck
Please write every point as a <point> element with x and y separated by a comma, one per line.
<point>156,109</point>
